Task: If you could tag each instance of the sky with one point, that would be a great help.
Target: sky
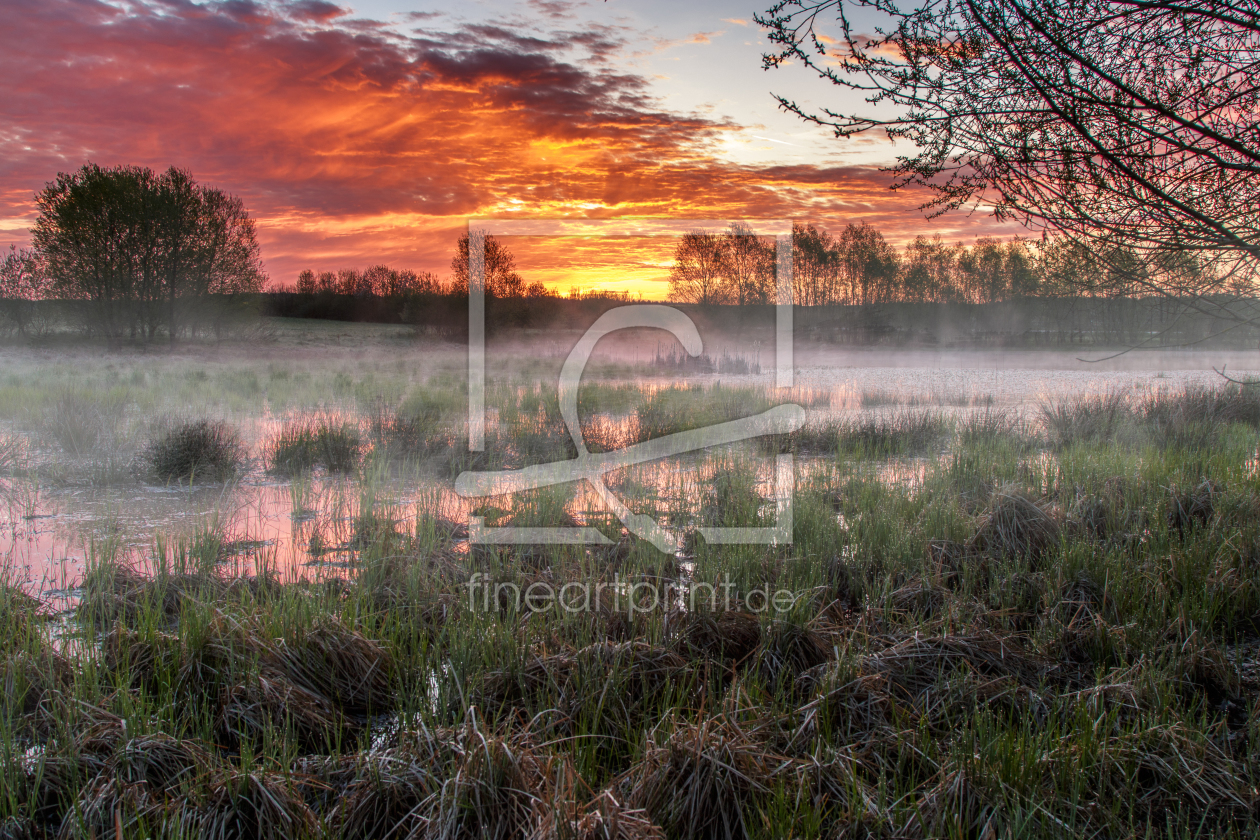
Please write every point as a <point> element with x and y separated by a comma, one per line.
<point>369,132</point>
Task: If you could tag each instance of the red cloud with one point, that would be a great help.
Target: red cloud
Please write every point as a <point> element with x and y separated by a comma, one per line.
<point>350,142</point>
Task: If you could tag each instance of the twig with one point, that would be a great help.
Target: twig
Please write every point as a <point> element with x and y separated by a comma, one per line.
<point>1227,378</point>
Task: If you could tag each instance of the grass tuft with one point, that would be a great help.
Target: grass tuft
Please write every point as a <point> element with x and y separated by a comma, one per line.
<point>1086,419</point>
<point>205,450</point>
<point>1015,526</point>
<point>315,441</point>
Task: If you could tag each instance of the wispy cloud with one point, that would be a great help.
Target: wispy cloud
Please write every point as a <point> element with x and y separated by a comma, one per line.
<point>772,140</point>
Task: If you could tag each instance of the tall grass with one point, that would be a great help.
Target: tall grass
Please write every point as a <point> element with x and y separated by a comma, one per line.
<point>680,408</point>
<point>1086,419</point>
<point>1188,418</point>
<point>13,454</point>
<point>83,422</point>
<point>903,432</point>
<point>316,440</point>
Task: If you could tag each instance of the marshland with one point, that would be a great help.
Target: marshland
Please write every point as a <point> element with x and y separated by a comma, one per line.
<point>1021,598</point>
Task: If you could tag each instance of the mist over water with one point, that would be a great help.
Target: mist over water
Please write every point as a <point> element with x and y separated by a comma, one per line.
<point>306,526</point>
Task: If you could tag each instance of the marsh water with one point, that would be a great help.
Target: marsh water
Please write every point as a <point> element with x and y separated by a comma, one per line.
<point>305,526</point>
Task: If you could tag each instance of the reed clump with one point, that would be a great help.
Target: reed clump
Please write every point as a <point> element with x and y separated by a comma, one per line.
<point>202,450</point>
<point>84,422</point>
<point>887,434</point>
<point>1086,419</point>
<point>315,441</point>
<point>1015,526</point>
<point>412,430</point>
<point>701,780</point>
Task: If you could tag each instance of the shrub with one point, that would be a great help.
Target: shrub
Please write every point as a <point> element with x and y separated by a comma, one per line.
<point>205,449</point>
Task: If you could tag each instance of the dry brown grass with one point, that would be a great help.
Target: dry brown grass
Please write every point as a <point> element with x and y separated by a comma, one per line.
<point>730,636</point>
<point>700,780</point>
<point>1015,526</point>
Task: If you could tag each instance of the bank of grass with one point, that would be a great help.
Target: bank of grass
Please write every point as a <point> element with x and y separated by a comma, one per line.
<point>1041,636</point>
<point>896,433</point>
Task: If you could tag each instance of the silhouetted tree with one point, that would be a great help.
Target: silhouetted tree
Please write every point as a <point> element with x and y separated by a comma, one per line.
<point>137,245</point>
<point>814,266</point>
<point>502,280</point>
<point>23,281</point>
<point>927,271</point>
<point>747,265</point>
<point>1132,125</point>
<point>867,265</point>
<point>698,272</point>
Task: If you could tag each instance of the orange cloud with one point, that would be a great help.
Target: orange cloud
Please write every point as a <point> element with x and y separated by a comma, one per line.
<point>352,143</point>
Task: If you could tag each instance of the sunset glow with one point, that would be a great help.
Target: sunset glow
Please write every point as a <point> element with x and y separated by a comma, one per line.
<point>370,135</point>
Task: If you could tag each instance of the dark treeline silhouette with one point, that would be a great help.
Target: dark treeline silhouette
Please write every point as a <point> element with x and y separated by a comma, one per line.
<point>502,278</point>
<point>852,288</point>
<point>858,266</point>
<point>378,280</point>
<point>443,313</point>
<point>1152,321</point>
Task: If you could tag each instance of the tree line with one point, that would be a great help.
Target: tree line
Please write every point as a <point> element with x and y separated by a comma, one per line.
<point>858,266</point>
<point>502,278</point>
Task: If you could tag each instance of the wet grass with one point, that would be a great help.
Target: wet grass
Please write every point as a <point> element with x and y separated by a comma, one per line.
<point>1186,418</point>
<point>901,432</point>
<point>1052,631</point>
<point>13,454</point>
<point>676,409</point>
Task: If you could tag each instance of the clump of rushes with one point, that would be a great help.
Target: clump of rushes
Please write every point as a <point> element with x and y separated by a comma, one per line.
<point>1015,526</point>
<point>904,432</point>
<point>702,780</point>
<point>410,431</point>
<point>680,408</point>
<point>1086,419</point>
<point>12,454</point>
<point>203,450</point>
<point>315,441</point>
